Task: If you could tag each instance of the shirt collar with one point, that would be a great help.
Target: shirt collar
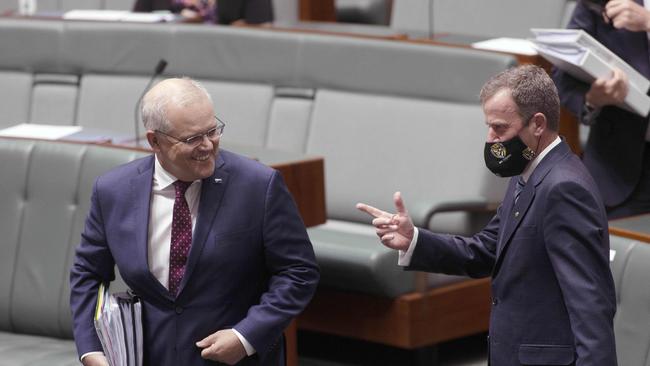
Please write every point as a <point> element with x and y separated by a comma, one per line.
<point>162,178</point>
<point>533,164</point>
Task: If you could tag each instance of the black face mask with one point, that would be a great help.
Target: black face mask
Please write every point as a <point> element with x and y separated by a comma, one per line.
<point>508,158</point>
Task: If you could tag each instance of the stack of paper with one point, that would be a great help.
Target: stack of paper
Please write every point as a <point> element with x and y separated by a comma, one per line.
<point>118,321</point>
<point>579,54</point>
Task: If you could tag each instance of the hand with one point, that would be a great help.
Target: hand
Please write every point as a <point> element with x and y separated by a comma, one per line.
<point>394,230</point>
<point>610,91</point>
<point>95,360</point>
<point>191,16</point>
<point>628,15</point>
<point>222,346</point>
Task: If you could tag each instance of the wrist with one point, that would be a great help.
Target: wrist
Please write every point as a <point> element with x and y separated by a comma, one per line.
<point>589,113</point>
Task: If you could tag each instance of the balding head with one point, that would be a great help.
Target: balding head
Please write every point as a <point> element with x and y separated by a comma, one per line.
<point>174,92</point>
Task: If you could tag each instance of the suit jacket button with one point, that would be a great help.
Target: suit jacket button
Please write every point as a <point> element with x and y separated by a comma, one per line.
<point>178,310</point>
<point>495,301</point>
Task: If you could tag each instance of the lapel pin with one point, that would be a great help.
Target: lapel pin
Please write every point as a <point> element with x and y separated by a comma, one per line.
<point>218,180</point>
<point>517,214</point>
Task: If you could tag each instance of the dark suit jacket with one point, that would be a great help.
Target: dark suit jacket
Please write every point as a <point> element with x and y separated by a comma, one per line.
<point>251,265</point>
<point>548,255</point>
<point>252,11</point>
<point>614,151</point>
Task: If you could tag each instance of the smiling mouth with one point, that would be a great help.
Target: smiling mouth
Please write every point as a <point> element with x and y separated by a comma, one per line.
<point>202,158</point>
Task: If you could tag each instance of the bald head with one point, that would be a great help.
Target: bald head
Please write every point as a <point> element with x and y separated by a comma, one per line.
<point>174,92</point>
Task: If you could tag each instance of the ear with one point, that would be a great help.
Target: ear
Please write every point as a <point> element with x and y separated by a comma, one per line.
<point>153,140</point>
<point>538,124</point>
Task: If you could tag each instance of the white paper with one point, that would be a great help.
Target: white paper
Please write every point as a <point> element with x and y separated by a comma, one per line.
<point>579,39</point>
<point>118,16</point>
<point>510,45</point>
<point>46,132</point>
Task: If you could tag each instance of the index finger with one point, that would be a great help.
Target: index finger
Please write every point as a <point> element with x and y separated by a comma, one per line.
<point>372,211</point>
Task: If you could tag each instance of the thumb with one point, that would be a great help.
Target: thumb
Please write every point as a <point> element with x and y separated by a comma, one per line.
<point>207,341</point>
<point>399,204</point>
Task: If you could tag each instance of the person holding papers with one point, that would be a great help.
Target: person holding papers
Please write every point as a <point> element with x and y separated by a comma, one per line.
<point>617,153</point>
<point>211,243</point>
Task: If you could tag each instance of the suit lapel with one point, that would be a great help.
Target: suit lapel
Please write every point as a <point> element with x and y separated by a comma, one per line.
<point>212,190</point>
<point>515,215</point>
<point>515,212</point>
<point>141,186</point>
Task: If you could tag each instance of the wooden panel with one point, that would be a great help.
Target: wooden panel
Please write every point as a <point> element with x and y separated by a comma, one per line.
<point>322,10</point>
<point>409,321</point>
<point>291,343</point>
<point>306,182</point>
<point>635,227</point>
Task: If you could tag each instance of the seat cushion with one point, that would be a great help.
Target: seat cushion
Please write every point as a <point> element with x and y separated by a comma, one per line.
<point>23,350</point>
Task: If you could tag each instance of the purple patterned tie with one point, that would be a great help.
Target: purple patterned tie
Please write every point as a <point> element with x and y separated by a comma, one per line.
<point>181,237</point>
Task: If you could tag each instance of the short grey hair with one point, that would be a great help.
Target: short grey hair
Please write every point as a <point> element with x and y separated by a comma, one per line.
<point>532,90</point>
<point>184,92</point>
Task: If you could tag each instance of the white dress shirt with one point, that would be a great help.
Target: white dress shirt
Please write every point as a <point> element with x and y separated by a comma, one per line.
<point>404,258</point>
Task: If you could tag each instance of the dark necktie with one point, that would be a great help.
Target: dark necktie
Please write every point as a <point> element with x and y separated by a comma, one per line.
<point>181,237</point>
<point>519,187</point>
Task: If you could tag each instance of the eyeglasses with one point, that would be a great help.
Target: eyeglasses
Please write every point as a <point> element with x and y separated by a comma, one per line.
<point>212,134</point>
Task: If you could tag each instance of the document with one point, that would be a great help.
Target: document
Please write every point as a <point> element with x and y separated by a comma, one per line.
<point>578,39</point>
<point>119,16</point>
<point>579,54</point>
<point>509,45</point>
<point>118,322</point>
<point>46,132</point>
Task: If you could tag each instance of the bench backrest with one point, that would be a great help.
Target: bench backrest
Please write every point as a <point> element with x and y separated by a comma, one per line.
<point>355,101</point>
<point>632,280</point>
<point>495,18</point>
<point>45,190</point>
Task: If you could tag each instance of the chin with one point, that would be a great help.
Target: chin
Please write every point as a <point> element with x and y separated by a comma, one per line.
<point>206,171</point>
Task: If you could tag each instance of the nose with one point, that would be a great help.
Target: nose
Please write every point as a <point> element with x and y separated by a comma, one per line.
<point>491,136</point>
<point>206,143</point>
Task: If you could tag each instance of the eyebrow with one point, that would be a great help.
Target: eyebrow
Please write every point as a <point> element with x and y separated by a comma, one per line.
<point>497,123</point>
<point>199,133</point>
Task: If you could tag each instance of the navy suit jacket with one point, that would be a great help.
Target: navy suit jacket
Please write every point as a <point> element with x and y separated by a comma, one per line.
<point>251,265</point>
<point>553,298</point>
<point>614,151</point>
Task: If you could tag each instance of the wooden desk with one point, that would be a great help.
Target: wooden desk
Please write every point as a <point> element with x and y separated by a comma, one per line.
<point>634,227</point>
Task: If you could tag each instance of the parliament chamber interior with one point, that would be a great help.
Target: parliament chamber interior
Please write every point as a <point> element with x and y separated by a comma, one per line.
<point>345,98</point>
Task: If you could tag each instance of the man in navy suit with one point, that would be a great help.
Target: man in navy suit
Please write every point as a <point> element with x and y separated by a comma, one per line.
<point>210,241</point>
<point>617,152</point>
<point>547,247</point>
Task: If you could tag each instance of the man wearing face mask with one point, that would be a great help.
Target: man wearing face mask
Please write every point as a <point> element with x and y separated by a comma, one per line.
<point>547,247</point>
